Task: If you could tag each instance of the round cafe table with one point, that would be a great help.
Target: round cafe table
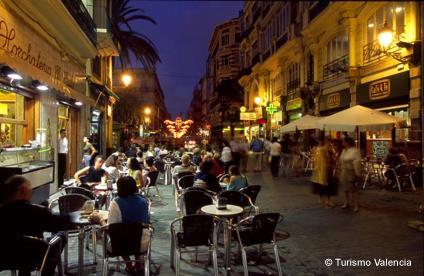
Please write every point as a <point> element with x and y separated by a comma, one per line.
<point>227,216</point>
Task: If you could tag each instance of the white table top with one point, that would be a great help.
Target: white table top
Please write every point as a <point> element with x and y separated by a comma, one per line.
<point>231,210</point>
<point>103,187</point>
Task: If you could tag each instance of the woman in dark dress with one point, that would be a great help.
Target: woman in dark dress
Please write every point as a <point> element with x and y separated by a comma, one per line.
<point>92,174</point>
<point>210,180</point>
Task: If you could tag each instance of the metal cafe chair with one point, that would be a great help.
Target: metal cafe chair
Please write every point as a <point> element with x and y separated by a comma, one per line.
<point>252,191</point>
<point>192,200</point>
<point>196,230</point>
<point>258,230</point>
<point>68,204</point>
<point>153,177</point>
<point>80,191</point>
<point>402,173</point>
<point>126,239</point>
<point>239,199</point>
<point>31,253</point>
<point>185,182</point>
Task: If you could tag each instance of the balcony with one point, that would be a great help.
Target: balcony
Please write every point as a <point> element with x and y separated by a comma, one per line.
<point>266,55</point>
<point>317,9</point>
<point>372,52</point>
<point>336,68</point>
<point>247,31</point>
<point>106,41</point>
<point>255,60</point>
<point>78,11</point>
<point>292,85</point>
<point>281,41</point>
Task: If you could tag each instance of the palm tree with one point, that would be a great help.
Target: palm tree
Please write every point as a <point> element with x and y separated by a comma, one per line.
<point>129,40</point>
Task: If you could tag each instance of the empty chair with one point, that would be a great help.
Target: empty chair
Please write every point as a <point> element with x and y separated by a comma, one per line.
<point>258,230</point>
<point>252,191</point>
<point>195,188</point>
<point>153,178</point>
<point>80,191</point>
<point>196,230</point>
<point>192,200</point>
<point>239,199</point>
<point>126,239</point>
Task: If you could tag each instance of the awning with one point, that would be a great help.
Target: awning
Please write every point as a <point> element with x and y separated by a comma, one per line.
<point>104,89</point>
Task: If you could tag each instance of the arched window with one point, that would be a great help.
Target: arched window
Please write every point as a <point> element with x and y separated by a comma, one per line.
<point>393,13</point>
<point>337,47</point>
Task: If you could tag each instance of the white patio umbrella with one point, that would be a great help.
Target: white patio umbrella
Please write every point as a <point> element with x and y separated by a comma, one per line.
<point>306,122</point>
<point>360,117</point>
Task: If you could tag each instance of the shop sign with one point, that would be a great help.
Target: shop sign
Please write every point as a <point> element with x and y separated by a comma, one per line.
<point>247,116</point>
<point>278,116</point>
<point>294,104</point>
<point>394,86</point>
<point>258,111</point>
<point>335,100</point>
<point>20,47</point>
<point>271,109</point>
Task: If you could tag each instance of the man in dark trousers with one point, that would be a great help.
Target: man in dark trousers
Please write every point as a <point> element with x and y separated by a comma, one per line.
<point>20,218</point>
<point>61,158</point>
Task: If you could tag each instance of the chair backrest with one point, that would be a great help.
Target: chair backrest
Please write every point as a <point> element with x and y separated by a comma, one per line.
<point>71,203</point>
<point>236,198</point>
<point>80,191</point>
<point>198,230</point>
<point>222,176</point>
<point>186,181</point>
<point>197,188</point>
<point>182,174</point>
<point>194,200</point>
<point>252,191</point>
<point>263,228</point>
<point>153,177</point>
<point>404,170</point>
<point>125,238</point>
<point>160,165</point>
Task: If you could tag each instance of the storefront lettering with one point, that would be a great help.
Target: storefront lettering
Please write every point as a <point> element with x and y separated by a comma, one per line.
<point>379,89</point>
<point>26,53</point>
<point>294,104</point>
<point>333,100</point>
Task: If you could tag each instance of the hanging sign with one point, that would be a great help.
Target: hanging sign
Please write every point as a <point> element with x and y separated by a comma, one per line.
<point>247,116</point>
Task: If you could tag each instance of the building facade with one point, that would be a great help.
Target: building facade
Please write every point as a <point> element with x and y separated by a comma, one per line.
<point>46,54</point>
<point>142,109</point>
<point>320,57</point>
<point>223,91</point>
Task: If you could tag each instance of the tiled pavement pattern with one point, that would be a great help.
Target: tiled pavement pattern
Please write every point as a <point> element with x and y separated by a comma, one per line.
<point>379,230</point>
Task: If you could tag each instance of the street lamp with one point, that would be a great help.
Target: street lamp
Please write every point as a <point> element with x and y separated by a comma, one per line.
<point>147,111</point>
<point>258,100</point>
<point>147,120</point>
<point>385,36</point>
<point>126,79</point>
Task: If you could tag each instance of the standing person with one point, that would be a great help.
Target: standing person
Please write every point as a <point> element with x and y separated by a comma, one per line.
<point>226,156</point>
<point>61,158</point>
<point>350,165</point>
<point>134,170</point>
<point>244,150</point>
<point>257,146</point>
<point>267,145</point>
<point>275,153</point>
<point>88,152</point>
<point>20,218</point>
<point>322,176</point>
<point>235,151</point>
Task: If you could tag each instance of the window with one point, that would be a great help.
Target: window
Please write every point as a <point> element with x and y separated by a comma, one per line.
<point>12,110</point>
<point>255,49</point>
<point>293,81</point>
<point>393,13</point>
<point>225,60</point>
<point>225,40</point>
<point>337,47</point>
<point>310,69</point>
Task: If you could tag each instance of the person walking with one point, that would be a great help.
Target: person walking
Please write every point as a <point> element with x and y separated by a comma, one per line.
<point>275,153</point>
<point>226,155</point>
<point>350,175</point>
<point>62,157</point>
<point>88,152</point>
<point>322,177</point>
<point>244,150</point>
<point>235,151</point>
<point>257,146</point>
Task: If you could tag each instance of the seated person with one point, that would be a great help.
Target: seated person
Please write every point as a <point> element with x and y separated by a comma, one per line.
<point>149,165</point>
<point>393,159</point>
<point>139,158</point>
<point>93,174</point>
<point>210,180</point>
<point>120,153</point>
<point>236,181</point>
<point>21,218</point>
<point>129,206</point>
<point>111,166</point>
<point>218,165</point>
<point>184,167</point>
<point>134,171</point>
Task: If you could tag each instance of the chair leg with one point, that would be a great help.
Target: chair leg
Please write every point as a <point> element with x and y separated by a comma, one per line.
<point>412,182</point>
<point>398,184</point>
<point>215,261</point>
<point>94,243</point>
<point>65,254</point>
<point>147,263</point>
<point>105,266</point>
<point>244,257</point>
<point>157,191</point>
<point>59,265</point>
<point>277,260</point>
<point>172,254</point>
<point>365,181</point>
<point>177,262</point>
<point>260,250</point>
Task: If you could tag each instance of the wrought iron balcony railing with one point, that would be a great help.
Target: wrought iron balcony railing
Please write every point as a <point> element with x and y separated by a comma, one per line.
<point>335,68</point>
<point>372,52</point>
<point>82,17</point>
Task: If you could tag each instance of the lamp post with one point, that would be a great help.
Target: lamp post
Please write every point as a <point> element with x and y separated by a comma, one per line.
<point>126,79</point>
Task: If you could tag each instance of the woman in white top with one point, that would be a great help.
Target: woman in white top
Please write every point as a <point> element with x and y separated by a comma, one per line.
<point>226,156</point>
<point>350,174</point>
<point>111,166</point>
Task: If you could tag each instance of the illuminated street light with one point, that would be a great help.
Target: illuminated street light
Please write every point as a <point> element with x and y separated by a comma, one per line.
<point>385,36</point>
<point>147,120</point>
<point>258,100</point>
<point>126,79</point>
<point>147,111</point>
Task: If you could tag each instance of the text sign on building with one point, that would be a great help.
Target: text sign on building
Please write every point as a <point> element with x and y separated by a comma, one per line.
<point>379,89</point>
<point>258,111</point>
<point>294,104</point>
<point>247,116</point>
<point>333,100</point>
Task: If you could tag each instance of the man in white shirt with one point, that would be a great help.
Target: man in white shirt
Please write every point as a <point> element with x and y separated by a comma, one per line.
<point>61,158</point>
<point>275,153</point>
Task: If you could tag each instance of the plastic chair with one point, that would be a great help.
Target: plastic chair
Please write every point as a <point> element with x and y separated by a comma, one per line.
<point>153,177</point>
<point>258,230</point>
<point>30,254</point>
<point>252,191</point>
<point>126,240</point>
<point>192,200</point>
<point>197,230</point>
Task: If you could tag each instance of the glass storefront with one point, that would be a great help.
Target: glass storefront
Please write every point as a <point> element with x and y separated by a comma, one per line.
<point>12,119</point>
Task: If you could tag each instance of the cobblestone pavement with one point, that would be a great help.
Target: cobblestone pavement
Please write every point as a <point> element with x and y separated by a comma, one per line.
<point>378,230</point>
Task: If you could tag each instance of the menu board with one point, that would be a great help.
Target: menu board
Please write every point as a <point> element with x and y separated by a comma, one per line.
<point>380,148</point>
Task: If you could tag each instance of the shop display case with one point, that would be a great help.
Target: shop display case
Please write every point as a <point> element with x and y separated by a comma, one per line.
<point>29,163</point>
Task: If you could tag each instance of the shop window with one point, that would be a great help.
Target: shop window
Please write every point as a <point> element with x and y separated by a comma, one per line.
<point>393,13</point>
<point>12,119</point>
<point>402,134</point>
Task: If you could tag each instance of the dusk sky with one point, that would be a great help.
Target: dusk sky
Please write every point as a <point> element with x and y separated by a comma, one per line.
<point>182,35</point>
